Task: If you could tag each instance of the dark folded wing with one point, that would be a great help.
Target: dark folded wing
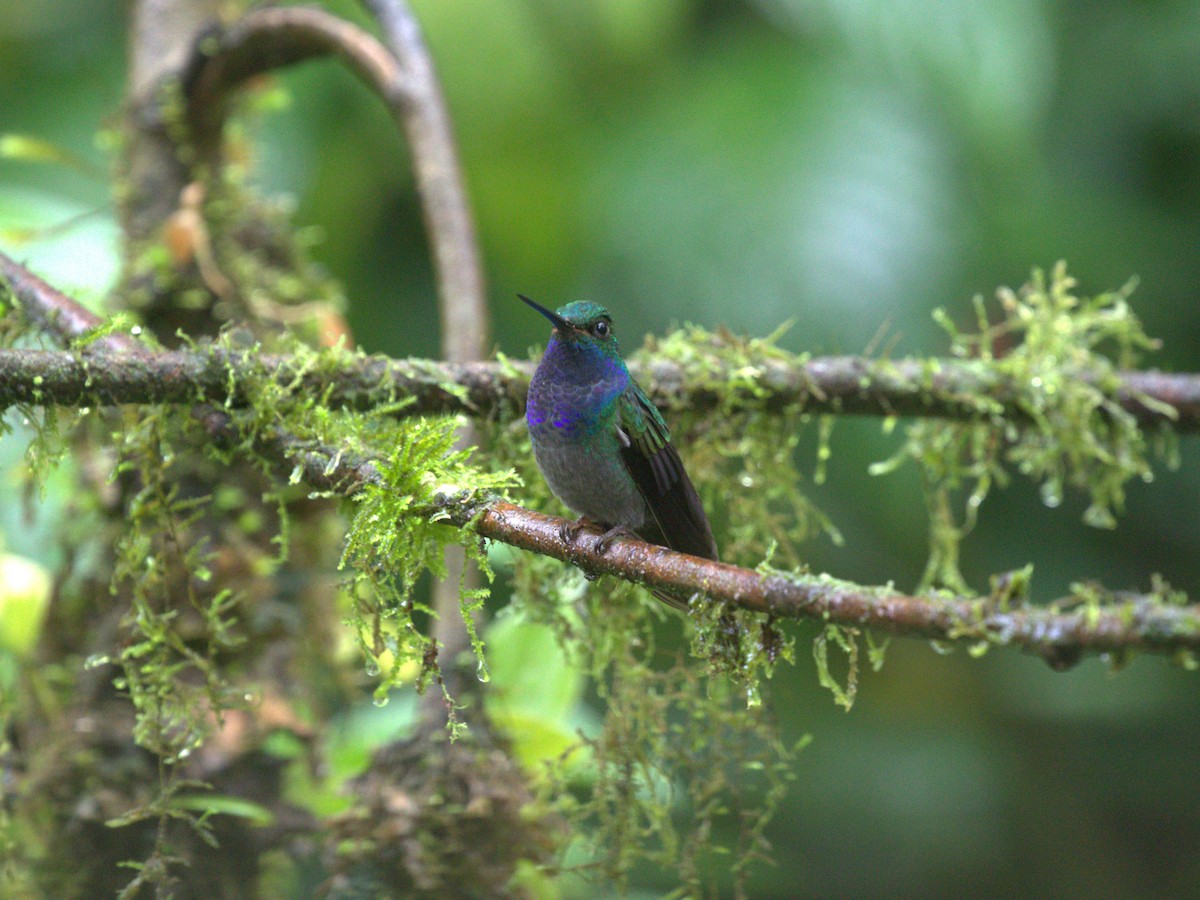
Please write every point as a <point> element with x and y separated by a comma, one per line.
<point>652,460</point>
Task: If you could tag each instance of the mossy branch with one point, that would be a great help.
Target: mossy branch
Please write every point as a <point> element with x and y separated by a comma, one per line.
<point>839,385</point>
<point>1091,620</point>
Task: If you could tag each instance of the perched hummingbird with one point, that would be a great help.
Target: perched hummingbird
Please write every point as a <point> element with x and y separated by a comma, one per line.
<point>603,447</point>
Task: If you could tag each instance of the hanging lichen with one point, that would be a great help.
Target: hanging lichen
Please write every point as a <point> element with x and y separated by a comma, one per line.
<point>1055,356</point>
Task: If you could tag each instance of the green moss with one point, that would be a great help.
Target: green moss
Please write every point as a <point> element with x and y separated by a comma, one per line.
<point>845,639</point>
<point>395,534</point>
<point>392,541</point>
<point>11,318</point>
<point>678,758</point>
<point>1059,422</point>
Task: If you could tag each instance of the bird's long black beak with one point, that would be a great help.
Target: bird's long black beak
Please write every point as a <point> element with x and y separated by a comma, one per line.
<point>559,322</point>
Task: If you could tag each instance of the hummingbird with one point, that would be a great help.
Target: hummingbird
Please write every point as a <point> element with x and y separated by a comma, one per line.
<point>603,447</point>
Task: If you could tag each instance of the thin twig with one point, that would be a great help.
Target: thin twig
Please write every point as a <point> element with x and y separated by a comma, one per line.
<point>1137,622</point>
<point>55,312</point>
<point>426,122</point>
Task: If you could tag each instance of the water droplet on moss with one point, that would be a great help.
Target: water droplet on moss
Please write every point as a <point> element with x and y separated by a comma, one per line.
<point>1052,494</point>
<point>1099,517</point>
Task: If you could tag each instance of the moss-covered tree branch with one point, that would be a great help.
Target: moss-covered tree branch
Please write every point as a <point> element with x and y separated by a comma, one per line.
<point>838,385</point>
<point>1091,620</point>
<point>718,371</point>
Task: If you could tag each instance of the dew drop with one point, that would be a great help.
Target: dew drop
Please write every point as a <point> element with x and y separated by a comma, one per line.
<point>372,669</point>
<point>1099,517</point>
<point>483,674</point>
<point>380,700</point>
<point>1052,494</point>
<point>96,660</point>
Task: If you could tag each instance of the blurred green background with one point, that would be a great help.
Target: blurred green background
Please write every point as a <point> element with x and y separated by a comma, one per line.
<point>845,164</point>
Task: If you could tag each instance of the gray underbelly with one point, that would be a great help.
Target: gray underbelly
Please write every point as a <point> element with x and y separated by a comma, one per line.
<point>592,484</point>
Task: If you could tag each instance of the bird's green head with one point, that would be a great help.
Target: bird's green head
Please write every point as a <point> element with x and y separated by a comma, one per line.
<point>581,322</point>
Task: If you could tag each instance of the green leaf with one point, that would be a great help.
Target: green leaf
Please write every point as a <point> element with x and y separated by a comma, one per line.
<point>26,148</point>
<point>24,595</point>
<point>534,690</point>
<point>225,805</point>
<point>530,673</point>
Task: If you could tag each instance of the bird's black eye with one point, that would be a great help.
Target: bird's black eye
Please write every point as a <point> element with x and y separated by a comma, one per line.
<point>600,329</point>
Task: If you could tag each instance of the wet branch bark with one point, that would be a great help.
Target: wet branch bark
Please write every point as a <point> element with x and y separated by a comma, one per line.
<point>1061,632</point>
<point>836,385</point>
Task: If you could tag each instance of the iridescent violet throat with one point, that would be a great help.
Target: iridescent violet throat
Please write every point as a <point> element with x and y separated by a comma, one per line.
<point>603,447</point>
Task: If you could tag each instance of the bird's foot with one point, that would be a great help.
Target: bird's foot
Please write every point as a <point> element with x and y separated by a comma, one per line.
<point>617,531</point>
<point>569,532</point>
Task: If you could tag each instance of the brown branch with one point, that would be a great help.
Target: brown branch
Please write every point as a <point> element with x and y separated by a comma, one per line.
<point>951,388</point>
<point>1061,637</point>
<point>222,376</point>
<point>54,311</point>
<point>489,389</point>
<point>1058,633</point>
<point>270,38</point>
<point>426,123</point>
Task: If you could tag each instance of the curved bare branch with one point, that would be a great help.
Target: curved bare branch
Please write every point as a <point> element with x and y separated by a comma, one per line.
<point>402,74</point>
